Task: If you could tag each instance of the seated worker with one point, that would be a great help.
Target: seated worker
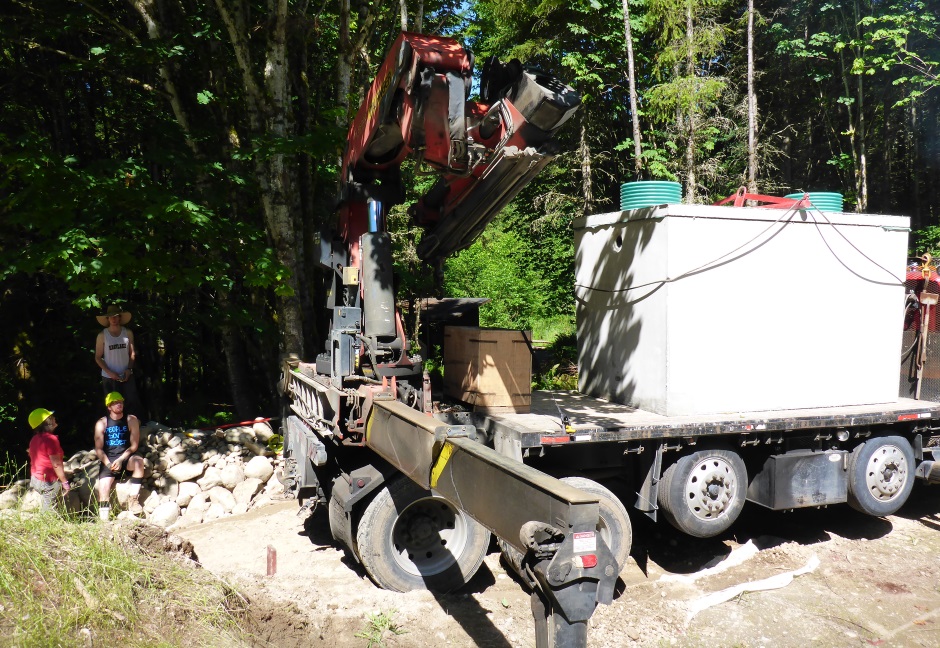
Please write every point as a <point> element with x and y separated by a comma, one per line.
<point>116,439</point>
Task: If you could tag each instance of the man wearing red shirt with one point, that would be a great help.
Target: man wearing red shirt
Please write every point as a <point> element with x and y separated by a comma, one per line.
<point>46,472</point>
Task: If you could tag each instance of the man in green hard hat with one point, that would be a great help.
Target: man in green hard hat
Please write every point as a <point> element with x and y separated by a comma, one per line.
<point>117,437</point>
<point>46,470</point>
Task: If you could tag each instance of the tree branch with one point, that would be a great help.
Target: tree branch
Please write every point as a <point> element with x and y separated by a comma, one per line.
<point>145,9</point>
<point>243,57</point>
<point>77,59</point>
<point>106,18</point>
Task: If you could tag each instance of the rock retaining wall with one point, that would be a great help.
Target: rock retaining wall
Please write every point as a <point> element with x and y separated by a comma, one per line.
<point>191,476</point>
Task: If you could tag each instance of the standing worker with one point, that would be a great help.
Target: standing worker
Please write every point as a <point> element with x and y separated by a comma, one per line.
<point>46,472</point>
<point>116,439</point>
<point>115,355</point>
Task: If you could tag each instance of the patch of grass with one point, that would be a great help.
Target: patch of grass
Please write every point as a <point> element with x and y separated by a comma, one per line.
<point>551,328</point>
<point>64,582</point>
<point>556,378</point>
<point>11,470</point>
<point>380,624</point>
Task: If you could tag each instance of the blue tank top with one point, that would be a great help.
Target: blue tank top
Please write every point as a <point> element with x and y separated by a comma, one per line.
<point>116,433</point>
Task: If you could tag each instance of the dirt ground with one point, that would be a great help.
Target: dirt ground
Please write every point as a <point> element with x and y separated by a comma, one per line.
<point>877,583</point>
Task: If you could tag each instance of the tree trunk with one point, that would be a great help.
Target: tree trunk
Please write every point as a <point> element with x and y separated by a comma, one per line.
<point>585,153</point>
<point>890,142</point>
<point>349,48</point>
<point>404,14</point>
<point>862,150</point>
<point>269,115</point>
<point>634,103</point>
<point>690,180</point>
<point>918,219</point>
<point>344,61</point>
<point>862,136</point>
<point>277,178</point>
<point>852,132</point>
<point>236,364</point>
<point>751,104</point>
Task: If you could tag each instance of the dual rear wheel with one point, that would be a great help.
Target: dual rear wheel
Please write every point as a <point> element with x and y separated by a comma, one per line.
<point>881,475</point>
<point>703,493</point>
<point>408,539</point>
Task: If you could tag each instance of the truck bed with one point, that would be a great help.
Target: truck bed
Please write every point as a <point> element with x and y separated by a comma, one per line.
<point>593,419</point>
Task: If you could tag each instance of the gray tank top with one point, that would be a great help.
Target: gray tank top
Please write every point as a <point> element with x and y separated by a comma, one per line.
<point>116,351</point>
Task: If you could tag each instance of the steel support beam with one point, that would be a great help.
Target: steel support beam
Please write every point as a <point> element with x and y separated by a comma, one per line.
<point>552,524</point>
<point>499,493</point>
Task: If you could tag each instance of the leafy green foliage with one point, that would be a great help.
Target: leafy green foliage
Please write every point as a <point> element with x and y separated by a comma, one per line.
<point>562,369</point>
<point>927,241</point>
<point>904,38</point>
<point>495,267</point>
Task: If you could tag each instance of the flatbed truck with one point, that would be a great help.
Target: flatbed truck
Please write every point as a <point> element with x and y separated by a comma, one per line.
<point>414,488</point>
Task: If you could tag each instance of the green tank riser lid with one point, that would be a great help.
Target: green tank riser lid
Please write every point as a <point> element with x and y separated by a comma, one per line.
<point>649,193</point>
<point>822,200</point>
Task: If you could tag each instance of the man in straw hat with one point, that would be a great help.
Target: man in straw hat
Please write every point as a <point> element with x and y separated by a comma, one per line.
<point>115,356</point>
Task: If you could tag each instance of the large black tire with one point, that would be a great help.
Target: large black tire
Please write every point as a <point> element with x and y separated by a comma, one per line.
<point>407,539</point>
<point>880,475</point>
<point>703,493</point>
<point>614,523</point>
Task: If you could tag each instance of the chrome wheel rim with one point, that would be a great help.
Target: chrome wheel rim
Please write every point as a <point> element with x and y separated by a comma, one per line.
<point>429,537</point>
<point>886,473</point>
<point>709,489</point>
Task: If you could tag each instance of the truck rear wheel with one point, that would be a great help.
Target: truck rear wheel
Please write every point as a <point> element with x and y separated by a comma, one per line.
<point>614,523</point>
<point>880,475</point>
<point>408,539</point>
<point>703,493</point>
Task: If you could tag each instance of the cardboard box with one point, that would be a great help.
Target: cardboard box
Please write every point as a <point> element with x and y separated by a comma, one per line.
<point>488,369</point>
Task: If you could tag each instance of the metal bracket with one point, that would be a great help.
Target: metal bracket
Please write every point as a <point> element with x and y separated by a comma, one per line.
<point>308,507</point>
<point>649,490</point>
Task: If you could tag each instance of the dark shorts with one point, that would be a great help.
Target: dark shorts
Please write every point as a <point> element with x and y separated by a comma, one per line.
<point>112,453</point>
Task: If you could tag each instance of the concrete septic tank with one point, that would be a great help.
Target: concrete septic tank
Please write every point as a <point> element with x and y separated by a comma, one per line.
<point>694,309</point>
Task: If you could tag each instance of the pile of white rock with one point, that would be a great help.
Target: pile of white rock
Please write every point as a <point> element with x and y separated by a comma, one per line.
<point>191,476</point>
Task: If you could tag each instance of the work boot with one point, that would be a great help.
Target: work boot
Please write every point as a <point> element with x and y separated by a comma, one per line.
<point>133,506</point>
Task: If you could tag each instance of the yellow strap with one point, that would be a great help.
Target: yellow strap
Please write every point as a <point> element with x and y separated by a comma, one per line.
<point>441,462</point>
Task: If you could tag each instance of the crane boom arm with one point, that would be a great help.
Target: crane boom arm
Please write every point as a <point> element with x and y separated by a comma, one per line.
<point>483,153</point>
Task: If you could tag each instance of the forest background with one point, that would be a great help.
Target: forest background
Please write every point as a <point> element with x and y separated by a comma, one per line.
<point>180,158</point>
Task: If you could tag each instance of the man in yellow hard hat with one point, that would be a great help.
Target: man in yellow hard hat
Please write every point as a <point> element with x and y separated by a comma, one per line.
<point>46,471</point>
<point>117,437</point>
